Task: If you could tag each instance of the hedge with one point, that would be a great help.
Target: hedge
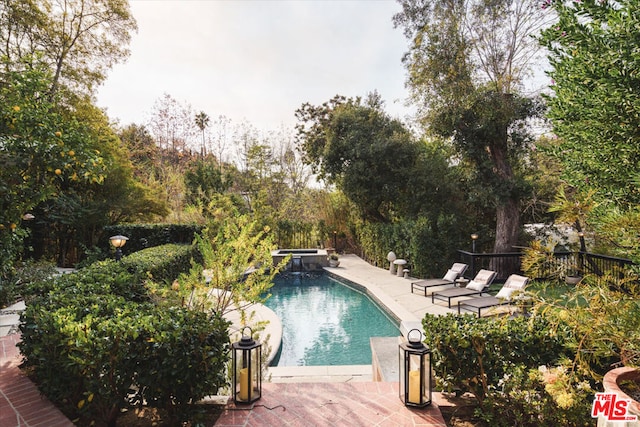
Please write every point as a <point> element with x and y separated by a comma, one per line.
<point>96,343</point>
<point>143,236</point>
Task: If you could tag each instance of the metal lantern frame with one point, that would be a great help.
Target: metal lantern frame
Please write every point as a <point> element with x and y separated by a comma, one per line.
<point>246,357</point>
<point>415,371</point>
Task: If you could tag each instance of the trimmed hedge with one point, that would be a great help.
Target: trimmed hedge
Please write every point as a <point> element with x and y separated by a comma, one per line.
<point>96,343</point>
<point>473,354</point>
<point>143,236</point>
<point>430,249</point>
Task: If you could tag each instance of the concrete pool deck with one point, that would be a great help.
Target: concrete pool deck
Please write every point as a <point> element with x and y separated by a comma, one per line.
<point>388,290</point>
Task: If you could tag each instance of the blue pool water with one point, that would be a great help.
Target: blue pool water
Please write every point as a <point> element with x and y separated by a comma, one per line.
<point>325,322</point>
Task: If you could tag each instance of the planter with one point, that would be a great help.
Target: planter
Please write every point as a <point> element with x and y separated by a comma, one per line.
<point>611,383</point>
<point>334,263</point>
<point>572,280</point>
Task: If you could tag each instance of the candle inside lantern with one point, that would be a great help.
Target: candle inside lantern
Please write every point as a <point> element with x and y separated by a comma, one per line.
<point>414,386</point>
<point>244,384</point>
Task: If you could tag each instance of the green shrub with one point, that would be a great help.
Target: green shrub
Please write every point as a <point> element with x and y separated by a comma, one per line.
<point>162,263</point>
<point>143,236</point>
<point>535,397</point>
<point>95,359</point>
<point>23,275</point>
<point>96,342</point>
<point>473,354</point>
<point>430,249</point>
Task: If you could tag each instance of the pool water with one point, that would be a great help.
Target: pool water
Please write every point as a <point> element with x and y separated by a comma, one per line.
<point>325,322</point>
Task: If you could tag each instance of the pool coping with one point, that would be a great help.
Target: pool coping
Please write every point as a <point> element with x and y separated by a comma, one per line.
<point>391,293</point>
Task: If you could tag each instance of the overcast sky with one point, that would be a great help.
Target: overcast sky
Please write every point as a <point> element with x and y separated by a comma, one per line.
<point>257,60</point>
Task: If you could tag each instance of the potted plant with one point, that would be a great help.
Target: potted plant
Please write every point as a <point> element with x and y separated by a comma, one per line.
<point>333,260</point>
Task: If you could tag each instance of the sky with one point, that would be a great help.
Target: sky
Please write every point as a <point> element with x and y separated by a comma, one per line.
<point>257,61</point>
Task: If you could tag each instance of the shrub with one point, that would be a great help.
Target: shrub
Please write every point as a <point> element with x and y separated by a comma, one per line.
<point>534,397</point>
<point>473,354</point>
<point>143,236</point>
<point>96,343</point>
<point>95,359</point>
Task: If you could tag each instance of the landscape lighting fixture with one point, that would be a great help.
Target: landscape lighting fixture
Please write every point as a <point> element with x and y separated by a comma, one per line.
<point>118,242</point>
<point>415,371</point>
<point>245,364</point>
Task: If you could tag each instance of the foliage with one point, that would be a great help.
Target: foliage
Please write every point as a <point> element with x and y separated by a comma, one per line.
<point>529,397</point>
<point>96,343</point>
<point>22,276</point>
<point>430,248</point>
<point>77,40</point>
<point>162,264</point>
<point>142,236</point>
<point>594,108</point>
<point>237,268</point>
<point>358,147</point>
<point>604,321</point>
<point>473,354</point>
<point>203,179</point>
<point>40,147</point>
<point>540,261</point>
<point>466,62</point>
<point>88,358</point>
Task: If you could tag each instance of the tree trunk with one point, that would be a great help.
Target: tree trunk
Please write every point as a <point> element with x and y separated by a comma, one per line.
<point>507,226</point>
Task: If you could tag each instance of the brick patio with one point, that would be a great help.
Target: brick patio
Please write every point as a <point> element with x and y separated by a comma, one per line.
<point>21,404</point>
<point>330,404</point>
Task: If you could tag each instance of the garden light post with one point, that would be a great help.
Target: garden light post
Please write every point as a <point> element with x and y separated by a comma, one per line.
<point>415,371</point>
<point>246,357</point>
<point>118,242</point>
<point>474,237</point>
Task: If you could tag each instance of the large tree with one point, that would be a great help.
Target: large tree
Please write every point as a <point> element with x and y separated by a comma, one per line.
<point>355,145</point>
<point>467,61</point>
<point>595,108</point>
<point>79,40</point>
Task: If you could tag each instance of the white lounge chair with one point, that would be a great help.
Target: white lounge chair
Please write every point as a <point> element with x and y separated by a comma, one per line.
<point>479,285</point>
<point>456,271</point>
<point>514,283</point>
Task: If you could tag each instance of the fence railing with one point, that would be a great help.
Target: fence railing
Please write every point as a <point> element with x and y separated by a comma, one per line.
<point>509,263</point>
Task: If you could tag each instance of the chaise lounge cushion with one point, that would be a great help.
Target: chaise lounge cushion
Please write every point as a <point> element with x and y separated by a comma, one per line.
<point>505,293</point>
<point>475,286</point>
<point>450,276</point>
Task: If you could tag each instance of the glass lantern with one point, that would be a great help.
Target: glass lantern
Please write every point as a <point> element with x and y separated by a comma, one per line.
<point>246,378</point>
<point>415,371</point>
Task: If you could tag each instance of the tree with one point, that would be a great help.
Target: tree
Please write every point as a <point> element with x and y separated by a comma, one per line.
<point>79,40</point>
<point>171,124</point>
<point>202,121</point>
<point>466,63</point>
<point>595,107</point>
<point>356,146</point>
<point>41,146</point>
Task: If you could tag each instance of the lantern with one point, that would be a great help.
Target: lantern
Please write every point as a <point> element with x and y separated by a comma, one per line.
<point>245,362</point>
<point>415,371</point>
<point>118,242</point>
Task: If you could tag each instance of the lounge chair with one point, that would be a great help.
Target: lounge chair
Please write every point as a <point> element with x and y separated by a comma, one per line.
<point>514,283</point>
<point>479,285</point>
<point>456,271</point>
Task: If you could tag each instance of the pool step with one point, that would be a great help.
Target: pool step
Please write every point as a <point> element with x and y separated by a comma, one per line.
<point>316,374</point>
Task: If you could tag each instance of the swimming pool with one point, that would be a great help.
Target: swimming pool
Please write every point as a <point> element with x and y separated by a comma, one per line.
<point>325,322</point>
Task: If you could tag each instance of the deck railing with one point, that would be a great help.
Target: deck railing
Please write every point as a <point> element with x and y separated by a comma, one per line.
<point>509,263</point>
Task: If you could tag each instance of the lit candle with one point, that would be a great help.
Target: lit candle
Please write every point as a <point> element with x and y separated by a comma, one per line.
<point>414,386</point>
<point>244,384</point>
